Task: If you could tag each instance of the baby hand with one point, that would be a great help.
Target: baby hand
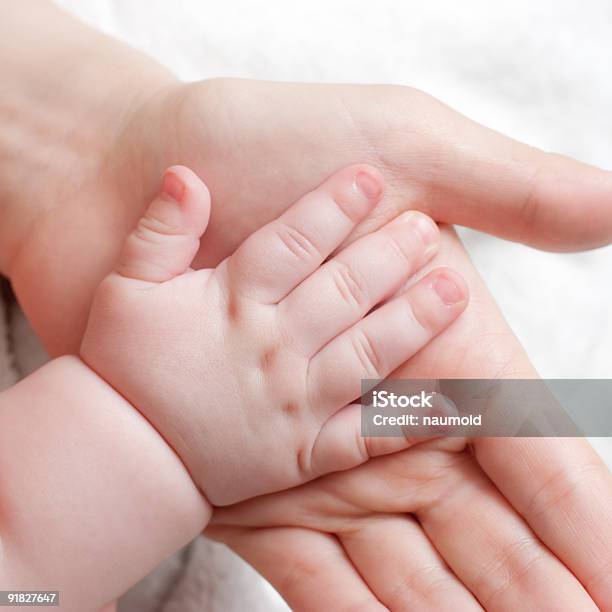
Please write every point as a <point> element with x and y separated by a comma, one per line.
<point>249,370</point>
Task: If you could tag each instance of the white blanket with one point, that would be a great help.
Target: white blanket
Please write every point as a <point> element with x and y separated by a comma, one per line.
<point>539,71</point>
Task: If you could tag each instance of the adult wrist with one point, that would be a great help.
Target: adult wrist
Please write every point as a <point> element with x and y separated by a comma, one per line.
<point>65,97</point>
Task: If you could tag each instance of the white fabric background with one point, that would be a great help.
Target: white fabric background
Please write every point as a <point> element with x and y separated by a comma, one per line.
<point>538,71</point>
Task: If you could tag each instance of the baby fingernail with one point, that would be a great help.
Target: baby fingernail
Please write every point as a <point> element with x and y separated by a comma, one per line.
<point>448,290</point>
<point>426,228</point>
<point>173,186</point>
<point>369,185</point>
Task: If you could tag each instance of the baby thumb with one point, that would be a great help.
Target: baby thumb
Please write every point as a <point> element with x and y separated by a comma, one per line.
<point>167,237</point>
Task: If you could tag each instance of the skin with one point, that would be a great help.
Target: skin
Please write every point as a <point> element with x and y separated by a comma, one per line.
<point>94,482</point>
<point>267,350</point>
<point>100,175</point>
<point>442,524</point>
<point>131,490</point>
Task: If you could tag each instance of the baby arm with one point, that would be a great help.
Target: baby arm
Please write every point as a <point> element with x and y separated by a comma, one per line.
<point>91,497</point>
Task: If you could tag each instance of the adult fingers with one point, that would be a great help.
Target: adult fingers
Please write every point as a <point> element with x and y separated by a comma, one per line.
<point>492,550</point>
<point>308,568</point>
<point>564,491</point>
<point>402,567</point>
<point>466,174</point>
<point>479,535</point>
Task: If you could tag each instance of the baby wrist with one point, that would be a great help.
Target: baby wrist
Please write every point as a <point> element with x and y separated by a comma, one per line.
<point>112,482</point>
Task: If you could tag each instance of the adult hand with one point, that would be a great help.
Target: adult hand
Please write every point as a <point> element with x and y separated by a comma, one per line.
<point>509,523</point>
<point>259,146</point>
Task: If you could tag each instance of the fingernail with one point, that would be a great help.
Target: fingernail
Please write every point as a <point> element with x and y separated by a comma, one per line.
<point>173,186</point>
<point>369,186</point>
<point>426,228</point>
<point>448,290</point>
<point>443,406</point>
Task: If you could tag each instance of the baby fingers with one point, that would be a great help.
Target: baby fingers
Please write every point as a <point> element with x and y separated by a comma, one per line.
<point>368,271</point>
<point>167,237</point>
<point>375,346</point>
<point>276,258</point>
